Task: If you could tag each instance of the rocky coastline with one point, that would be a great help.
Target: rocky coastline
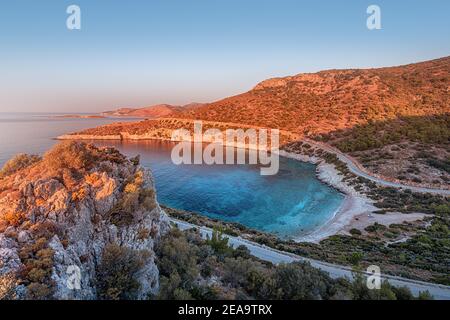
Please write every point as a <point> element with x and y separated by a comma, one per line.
<point>66,214</point>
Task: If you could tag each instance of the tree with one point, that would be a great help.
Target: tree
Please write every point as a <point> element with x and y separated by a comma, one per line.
<point>218,242</point>
<point>356,258</point>
<point>300,281</point>
<point>425,295</point>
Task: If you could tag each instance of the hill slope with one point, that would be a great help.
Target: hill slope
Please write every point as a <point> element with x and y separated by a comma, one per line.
<point>160,110</point>
<point>155,111</point>
<point>336,99</point>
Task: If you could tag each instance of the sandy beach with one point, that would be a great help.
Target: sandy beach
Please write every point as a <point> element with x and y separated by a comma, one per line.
<point>356,210</point>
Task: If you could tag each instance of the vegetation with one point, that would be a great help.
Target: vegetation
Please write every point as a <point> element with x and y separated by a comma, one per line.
<point>336,99</point>
<point>19,162</point>
<point>412,149</point>
<point>8,285</point>
<point>135,196</point>
<point>37,258</point>
<point>422,256</point>
<point>386,198</point>
<point>117,274</point>
<point>218,242</point>
<point>77,157</point>
<point>440,164</point>
<point>376,134</point>
<point>191,268</point>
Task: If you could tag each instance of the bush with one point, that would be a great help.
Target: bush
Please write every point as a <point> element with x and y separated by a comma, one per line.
<point>355,258</point>
<point>375,227</point>
<point>135,197</point>
<point>13,218</point>
<point>38,291</point>
<point>360,291</point>
<point>19,162</point>
<point>300,281</point>
<point>117,272</point>
<point>71,155</point>
<point>38,261</point>
<point>177,256</point>
<point>235,271</point>
<point>355,232</point>
<point>218,242</point>
<point>425,295</point>
<point>181,255</point>
<point>8,284</point>
<point>402,293</point>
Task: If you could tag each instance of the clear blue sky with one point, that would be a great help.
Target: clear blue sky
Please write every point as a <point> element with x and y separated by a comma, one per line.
<point>137,53</point>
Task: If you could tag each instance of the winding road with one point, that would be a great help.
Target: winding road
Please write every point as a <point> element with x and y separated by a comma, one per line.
<point>439,292</point>
<point>356,168</point>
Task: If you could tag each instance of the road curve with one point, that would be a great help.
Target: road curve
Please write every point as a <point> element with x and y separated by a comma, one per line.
<point>358,170</point>
<point>439,292</point>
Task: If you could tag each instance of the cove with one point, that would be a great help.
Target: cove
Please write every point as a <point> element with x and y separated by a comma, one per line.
<point>289,204</point>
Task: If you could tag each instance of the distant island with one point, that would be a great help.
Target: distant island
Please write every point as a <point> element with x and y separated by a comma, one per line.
<point>154,111</point>
<point>150,112</point>
<point>81,116</point>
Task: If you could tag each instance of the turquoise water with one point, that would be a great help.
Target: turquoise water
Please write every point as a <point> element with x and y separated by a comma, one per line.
<point>289,204</point>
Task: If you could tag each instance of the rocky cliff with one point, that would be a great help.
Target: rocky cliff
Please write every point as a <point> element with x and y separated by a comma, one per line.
<point>79,223</point>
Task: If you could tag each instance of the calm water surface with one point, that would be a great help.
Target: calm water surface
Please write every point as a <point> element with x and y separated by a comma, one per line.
<point>289,204</point>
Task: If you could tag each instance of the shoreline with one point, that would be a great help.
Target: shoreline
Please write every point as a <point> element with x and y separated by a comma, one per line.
<point>353,205</point>
<point>356,209</point>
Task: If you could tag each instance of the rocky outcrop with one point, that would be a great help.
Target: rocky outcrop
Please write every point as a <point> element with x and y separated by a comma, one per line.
<point>54,227</point>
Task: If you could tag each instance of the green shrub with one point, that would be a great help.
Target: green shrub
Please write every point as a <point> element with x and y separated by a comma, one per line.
<point>300,281</point>
<point>117,272</point>
<point>375,227</point>
<point>238,275</point>
<point>177,256</point>
<point>355,258</point>
<point>425,295</point>
<point>218,242</point>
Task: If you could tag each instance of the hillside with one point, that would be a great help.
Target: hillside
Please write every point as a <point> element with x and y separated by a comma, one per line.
<point>411,149</point>
<point>155,111</point>
<point>327,101</point>
<point>336,99</point>
<point>160,110</point>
